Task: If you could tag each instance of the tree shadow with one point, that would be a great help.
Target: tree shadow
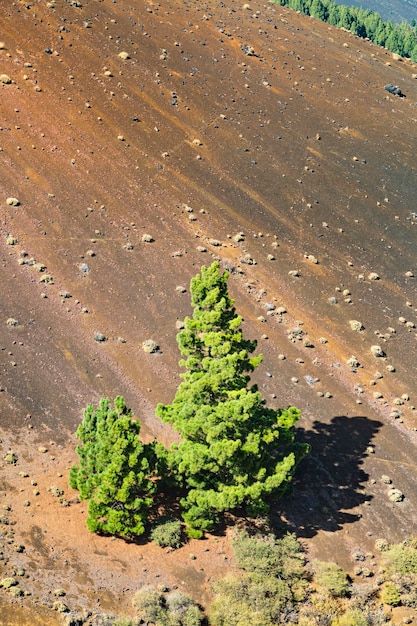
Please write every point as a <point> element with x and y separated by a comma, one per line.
<point>329,483</point>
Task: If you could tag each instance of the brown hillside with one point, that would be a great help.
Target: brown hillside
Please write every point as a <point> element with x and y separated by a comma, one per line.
<point>192,140</point>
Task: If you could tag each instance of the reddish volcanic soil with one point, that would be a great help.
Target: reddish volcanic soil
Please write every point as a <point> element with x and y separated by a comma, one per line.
<point>192,140</point>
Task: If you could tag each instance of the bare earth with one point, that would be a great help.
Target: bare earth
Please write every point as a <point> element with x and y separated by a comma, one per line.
<point>192,140</point>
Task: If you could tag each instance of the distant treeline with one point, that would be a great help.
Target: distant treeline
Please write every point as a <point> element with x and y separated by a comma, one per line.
<point>399,38</point>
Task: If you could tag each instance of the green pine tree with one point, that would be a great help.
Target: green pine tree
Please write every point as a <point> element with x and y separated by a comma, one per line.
<point>114,471</point>
<point>234,451</point>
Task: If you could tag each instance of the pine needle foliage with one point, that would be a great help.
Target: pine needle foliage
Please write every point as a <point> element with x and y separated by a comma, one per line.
<point>115,470</point>
<point>234,450</point>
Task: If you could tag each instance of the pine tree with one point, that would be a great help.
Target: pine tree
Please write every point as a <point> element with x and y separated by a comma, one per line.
<point>234,451</point>
<point>114,470</point>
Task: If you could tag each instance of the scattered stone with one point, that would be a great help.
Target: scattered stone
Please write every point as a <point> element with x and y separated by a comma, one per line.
<point>99,337</point>
<point>42,449</point>
<point>150,346</point>
<point>5,79</point>
<point>146,238</point>
<point>295,273</point>
<point>377,351</point>
<point>409,274</point>
<point>395,495</point>
<point>390,368</point>
<point>373,276</point>
<point>13,202</point>
<point>386,479</point>
<point>353,362</point>
<point>12,322</point>
<point>356,325</point>
<point>60,607</point>
<point>124,56</point>
<point>59,593</point>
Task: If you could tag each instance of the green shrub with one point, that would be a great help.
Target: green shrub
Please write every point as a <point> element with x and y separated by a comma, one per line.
<point>272,582</point>
<point>401,559</point>
<point>265,554</point>
<point>149,604</point>
<point>250,598</point>
<point>174,609</point>
<point>182,610</point>
<point>351,618</point>
<point>407,587</point>
<point>320,610</point>
<point>167,534</point>
<point>332,578</point>
<point>390,594</point>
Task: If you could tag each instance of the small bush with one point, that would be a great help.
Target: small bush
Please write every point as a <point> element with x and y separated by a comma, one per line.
<point>320,610</point>
<point>332,578</point>
<point>125,621</point>
<point>381,544</point>
<point>175,609</point>
<point>265,554</point>
<point>167,534</point>
<point>351,618</point>
<point>401,559</point>
<point>250,598</point>
<point>183,609</point>
<point>390,595</point>
<point>149,604</point>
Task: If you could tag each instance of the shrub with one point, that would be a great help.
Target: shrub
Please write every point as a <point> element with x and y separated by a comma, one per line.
<point>175,609</point>
<point>320,610</point>
<point>332,578</point>
<point>183,609</point>
<point>381,544</point>
<point>272,582</point>
<point>351,618</point>
<point>281,558</point>
<point>249,599</point>
<point>401,559</point>
<point>167,534</point>
<point>149,604</point>
<point>390,595</point>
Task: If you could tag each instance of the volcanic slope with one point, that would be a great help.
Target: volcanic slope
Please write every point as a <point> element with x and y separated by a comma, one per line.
<point>142,140</point>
